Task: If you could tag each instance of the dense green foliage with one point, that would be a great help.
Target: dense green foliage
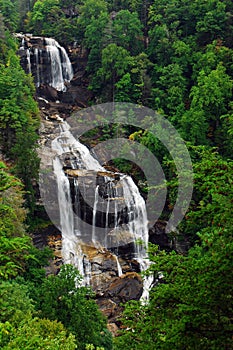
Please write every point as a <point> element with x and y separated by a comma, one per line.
<point>19,115</point>
<point>15,244</point>
<point>175,57</point>
<point>20,328</point>
<point>191,307</point>
<point>60,299</point>
<point>39,312</point>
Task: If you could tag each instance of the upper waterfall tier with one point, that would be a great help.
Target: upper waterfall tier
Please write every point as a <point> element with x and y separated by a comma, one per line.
<point>47,61</point>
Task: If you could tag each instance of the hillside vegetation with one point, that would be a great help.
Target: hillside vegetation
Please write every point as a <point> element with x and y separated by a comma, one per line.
<point>175,57</point>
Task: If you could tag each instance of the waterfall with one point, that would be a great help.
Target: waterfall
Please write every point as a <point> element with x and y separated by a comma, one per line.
<point>114,214</point>
<point>147,280</point>
<point>29,61</point>
<point>94,215</point>
<point>69,252</point>
<point>137,217</point>
<point>61,69</point>
<point>124,213</point>
<point>46,60</point>
<point>119,269</point>
<point>37,76</point>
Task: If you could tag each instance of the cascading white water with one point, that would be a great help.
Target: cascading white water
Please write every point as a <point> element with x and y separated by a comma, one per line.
<point>51,65</point>
<point>138,227</point>
<point>47,61</point>
<point>29,61</point>
<point>138,217</point>
<point>37,77</point>
<point>119,269</point>
<point>136,223</point>
<point>57,80</point>
<point>61,69</point>
<point>94,215</point>
<point>107,214</point>
<point>71,252</point>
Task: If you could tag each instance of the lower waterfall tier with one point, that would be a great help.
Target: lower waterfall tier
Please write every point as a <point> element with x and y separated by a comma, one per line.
<point>114,274</point>
<point>97,211</point>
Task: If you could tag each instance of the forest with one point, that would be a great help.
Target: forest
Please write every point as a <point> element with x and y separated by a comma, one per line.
<point>175,57</point>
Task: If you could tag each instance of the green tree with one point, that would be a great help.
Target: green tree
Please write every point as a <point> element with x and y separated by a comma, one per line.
<point>89,11</point>
<point>36,333</point>
<point>210,100</point>
<point>15,302</point>
<point>115,62</point>
<point>44,16</point>
<point>10,11</point>
<point>127,29</point>
<point>135,85</point>
<point>19,329</point>
<point>212,187</point>
<point>15,244</point>
<point>19,121</point>
<point>169,91</point>
<point>214,54</point>
<point>167,24</point>
<point>160,45</point>
<point>212,24</point>
<point>62,298</point>
<point>93,41</point>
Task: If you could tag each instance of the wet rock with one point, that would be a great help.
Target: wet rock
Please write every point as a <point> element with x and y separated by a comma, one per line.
<point>120,238</point>
<point>168,241</point>
<point>75,92</point>
<point>48,92</point>
<point>158,235</point>
<point>126,287</point>
<point>107,306</point>
<point>76,95</point>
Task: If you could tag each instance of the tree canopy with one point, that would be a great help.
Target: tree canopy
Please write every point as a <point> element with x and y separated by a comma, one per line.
<point>175,57</point>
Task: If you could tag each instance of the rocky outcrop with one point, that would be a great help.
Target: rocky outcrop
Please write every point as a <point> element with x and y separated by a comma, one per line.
<point>81,172</point>
<point>111,289</point>
<point>127,287</point>
<point>172,241</point>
